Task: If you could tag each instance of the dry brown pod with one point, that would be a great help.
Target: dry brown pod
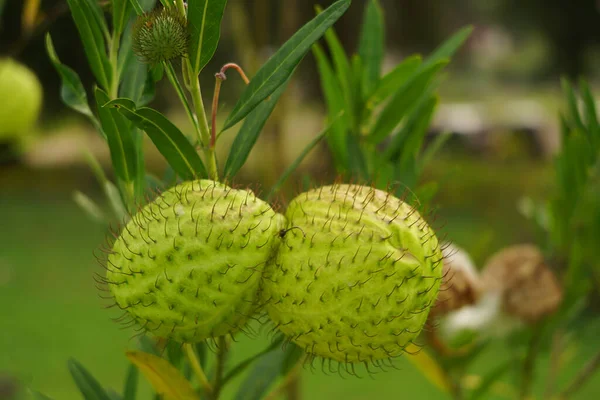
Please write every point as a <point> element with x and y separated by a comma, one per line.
<point>461,284</point>
<point>520,274</point>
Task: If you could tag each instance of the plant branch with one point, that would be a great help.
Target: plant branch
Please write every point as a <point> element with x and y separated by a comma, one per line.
<point>220,366</point>
<point>197,368</point>
<point>209,152</point>
<point>557,345</point>
<point>172,76</point>
<point>288,381</point>
<point>529,363</point>
<point>582,377</point>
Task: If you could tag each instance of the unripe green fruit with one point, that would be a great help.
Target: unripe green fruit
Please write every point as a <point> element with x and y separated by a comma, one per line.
<point>188,266</point>
<point>21,92</point>
<point>160,35</point>
<point>355,276</point>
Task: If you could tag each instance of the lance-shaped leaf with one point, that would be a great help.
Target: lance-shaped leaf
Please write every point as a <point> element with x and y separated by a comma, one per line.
<point>403,101</point>
<point>447,49</point>
<point>131,383</point>
<point>204,20</point>
<point>371,45</point>
<point>87,384</point>
<point>119,137</point>
<point>266,371</point>
<point>248,135</point>
<point>281,65</point>
<point>334,99</point>
<point>121,11</point>
<point>166,380</point>
<point>91,32</point>
<point>167,138</point>
<point>394,80</point>
<point>72,91</point>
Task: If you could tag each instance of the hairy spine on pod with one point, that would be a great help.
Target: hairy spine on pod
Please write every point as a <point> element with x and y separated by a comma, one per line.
<point>355,276</point>
<point>188,265</point>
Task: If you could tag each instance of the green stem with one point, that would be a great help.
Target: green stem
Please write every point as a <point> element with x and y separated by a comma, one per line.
<point>209,152</point>
<point>529,362</point>
<point>197,368</point>
<point>114,62</point>
<point>181,7</point>
<point>588,370</point>
<point>204,131</point>
<point>220,367</point>
<point>172,76</point>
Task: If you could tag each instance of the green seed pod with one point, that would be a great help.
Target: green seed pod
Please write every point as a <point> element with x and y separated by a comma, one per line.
<point>188,266</point>
<point>355,276</point>
<point>160,35</point>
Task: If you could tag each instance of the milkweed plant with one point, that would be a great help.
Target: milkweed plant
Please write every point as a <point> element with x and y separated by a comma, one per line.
<point>347,277</point>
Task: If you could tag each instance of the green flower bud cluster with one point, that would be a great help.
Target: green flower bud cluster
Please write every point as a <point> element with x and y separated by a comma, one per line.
<point>160,35</point>
<point>348,274</point>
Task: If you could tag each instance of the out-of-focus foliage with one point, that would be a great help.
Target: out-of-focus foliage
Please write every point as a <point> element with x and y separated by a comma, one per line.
<point>380,135</point>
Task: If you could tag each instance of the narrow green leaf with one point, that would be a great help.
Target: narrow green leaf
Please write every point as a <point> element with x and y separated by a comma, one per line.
<point>343,71</point>
<point>447,49</point>
<point>87,384</point>
<point>265,372</point>
<point>114,395</point>
<point>131,383</point>
<point>35,395</point>
<point>137,7</point>
<point>115,199</point>
<point>590,112</point>
<point>172,76</point>
<point>293,355</point>
<point>357,158</point>
<point>90,207</point>
<point>72,91</point>
<point>204,20</point>
<point>407,142</point>
<point>372,45</point>
<point>431,150</point>
<point>335,105</point>
<point>121,11</point>
<point>415,137</point>
<point>293,166</point>
<point>574,117</point>
<point>241,367</point>
<point>394,80</point>
<point>494,376</point>
<point>281,65</point>
<point>95,10</point>
<point>140,181</point>
<point>248,135</point>
<point>167,138</point>
<point>119,137</point>
<point>94,44</point>
<point>402,102</point>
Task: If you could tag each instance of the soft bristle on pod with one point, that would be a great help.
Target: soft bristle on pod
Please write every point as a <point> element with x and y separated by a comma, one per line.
<point>355,276</point>
<point>187,267</point>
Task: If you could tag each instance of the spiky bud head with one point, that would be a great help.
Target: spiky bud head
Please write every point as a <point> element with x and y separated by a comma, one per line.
<point>355,276</point>
<point>160,35</point>
<point>187,266</point>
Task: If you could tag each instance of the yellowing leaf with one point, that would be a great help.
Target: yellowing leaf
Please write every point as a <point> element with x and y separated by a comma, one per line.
<point>429,368</point>
<point>164,378</point>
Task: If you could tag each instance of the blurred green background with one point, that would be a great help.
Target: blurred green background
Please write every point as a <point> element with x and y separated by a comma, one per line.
<point>501,100</point>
